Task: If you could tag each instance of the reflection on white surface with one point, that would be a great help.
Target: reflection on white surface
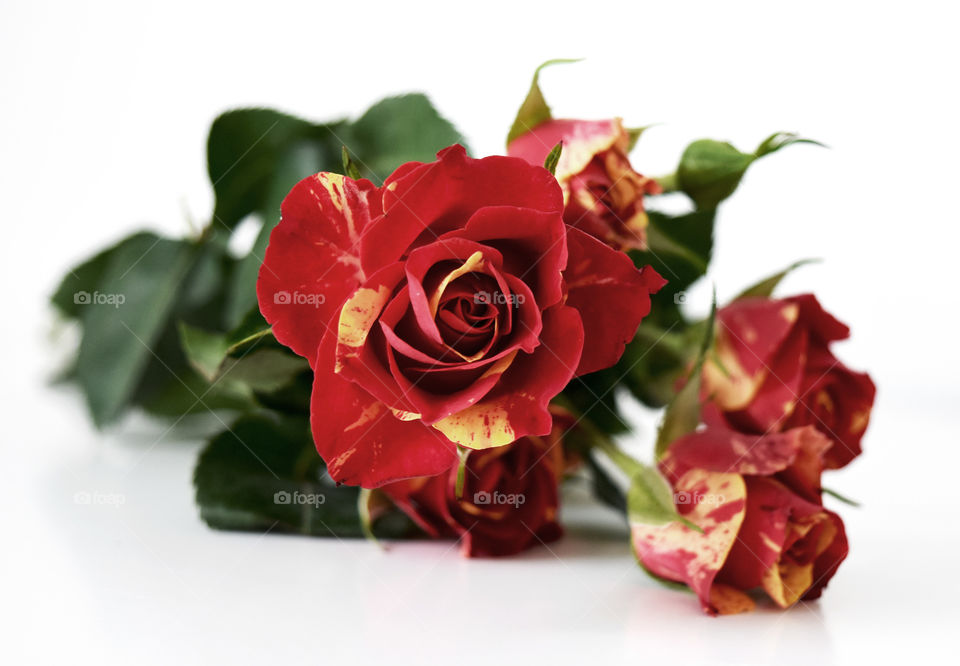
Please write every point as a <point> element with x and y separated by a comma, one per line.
<point>109,550</point>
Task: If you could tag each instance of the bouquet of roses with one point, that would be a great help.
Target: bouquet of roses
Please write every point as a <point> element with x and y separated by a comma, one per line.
<point>421,342</point>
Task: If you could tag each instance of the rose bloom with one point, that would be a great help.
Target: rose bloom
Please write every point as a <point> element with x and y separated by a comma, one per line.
<point>446,308</point>
<point>509,501</point>
<point>774,370</point>
<point>602,193</point>
<point>746,493</point>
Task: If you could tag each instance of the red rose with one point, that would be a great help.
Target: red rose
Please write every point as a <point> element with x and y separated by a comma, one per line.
<point>774,370</point>
<point>758,531</point>
<point>447,307</point>
<point>602,193</point>
<point>509,501</point>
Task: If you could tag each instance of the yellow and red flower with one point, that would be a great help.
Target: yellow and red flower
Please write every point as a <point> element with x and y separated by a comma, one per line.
<point>750,496</point>
<point>446,308</point>
<point>509,501</point>
<point>602,193</point>
<point>773,370</point>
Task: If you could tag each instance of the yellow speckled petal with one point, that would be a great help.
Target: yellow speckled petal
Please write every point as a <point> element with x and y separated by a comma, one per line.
<point>716,503</point>
<point>480,426</point>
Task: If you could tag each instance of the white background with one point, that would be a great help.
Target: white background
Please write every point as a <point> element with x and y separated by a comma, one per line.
<point>103,118</point>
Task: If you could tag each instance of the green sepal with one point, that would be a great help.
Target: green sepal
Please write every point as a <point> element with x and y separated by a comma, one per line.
<point>765,287</point>
<point>534,109</point>
<point>553,158</point>
<point>349,168</point>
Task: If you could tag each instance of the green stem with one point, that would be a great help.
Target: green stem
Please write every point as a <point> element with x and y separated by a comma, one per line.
<point>463,454</point>
<point>629,466</point>
<point>669,183</point>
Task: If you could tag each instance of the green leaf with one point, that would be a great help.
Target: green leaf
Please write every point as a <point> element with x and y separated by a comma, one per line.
<point>764,288</point>
<point>264,474</point>
<point>205,350</point>
<point>246,148</point>
<point>593,396</point>
<point>292,165</point>
<point>682,415</point>
<point>680,249</point>
<point>246,478</point>
<point>650,500</point>
<point>264,369</point>
<point>125,317</point>
<point>349,168</point>
<point>553,157</point>
<point>399,129</point>
<point>654,361</point>
<point>186,393</point>
<point>534,109</point>
<point>710,171</point>
<point>250,329</point>
<point>85,278</point>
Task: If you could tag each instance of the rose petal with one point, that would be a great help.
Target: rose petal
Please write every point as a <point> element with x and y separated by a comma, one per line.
<point>312,262</point>
<point>838,402</point>
<point>582,140</point>
<point>823,325</point>
<point>754,329</point>
<point>827,562</point>
<point>776,387</point>
<point>718,449</point>
<point>425,201</point>
<point>678,553</point>
<point>611,295</point>
<point>533,245</point>
<point>361,440</point>
<point>466,256</point>
<point>518,405</point>
<point>774,517</point>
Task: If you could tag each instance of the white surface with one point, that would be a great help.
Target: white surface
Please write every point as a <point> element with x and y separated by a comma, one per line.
<point>104,113</point>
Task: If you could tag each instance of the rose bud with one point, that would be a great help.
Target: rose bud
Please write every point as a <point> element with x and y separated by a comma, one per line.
<point>758,532</point>
<point>602,193</point>
<point>774,370</point>
<point>509,500</point>
<point>446,308</point>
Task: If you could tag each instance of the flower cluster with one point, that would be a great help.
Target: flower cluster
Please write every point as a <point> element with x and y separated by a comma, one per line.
<point>434,344</point>
<point>779,409</point>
